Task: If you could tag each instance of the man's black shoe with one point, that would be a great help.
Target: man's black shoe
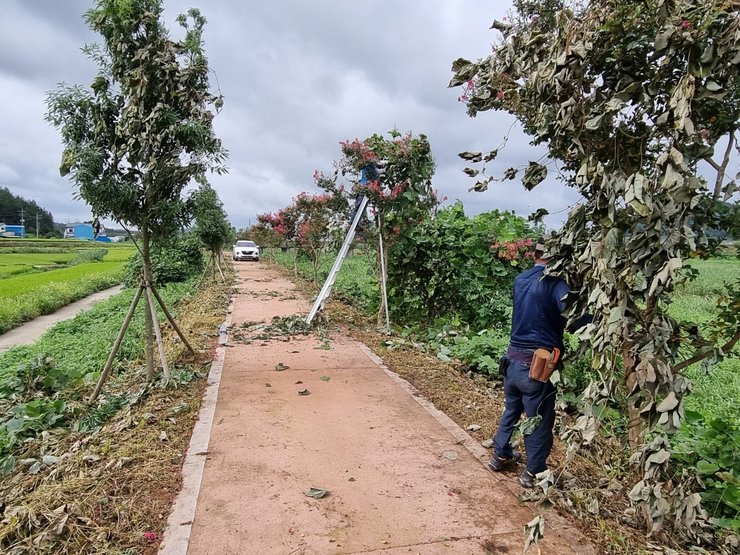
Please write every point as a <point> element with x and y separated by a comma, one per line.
<point>526,479</point>
<point>497,464</point>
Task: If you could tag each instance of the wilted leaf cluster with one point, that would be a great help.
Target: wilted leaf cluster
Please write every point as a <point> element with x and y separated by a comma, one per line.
<point>629,97</point>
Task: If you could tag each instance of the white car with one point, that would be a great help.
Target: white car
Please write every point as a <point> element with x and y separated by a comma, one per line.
<point>246,250</point>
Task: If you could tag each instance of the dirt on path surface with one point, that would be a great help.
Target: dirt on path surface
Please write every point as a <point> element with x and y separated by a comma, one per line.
<point>31,331</point>
<point>317,412</point>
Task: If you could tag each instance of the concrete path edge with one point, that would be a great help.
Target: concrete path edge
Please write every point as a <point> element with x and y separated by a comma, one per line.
<point>180,522</point>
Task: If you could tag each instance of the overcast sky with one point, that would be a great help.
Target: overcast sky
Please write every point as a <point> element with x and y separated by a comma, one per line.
<point>297,77</point>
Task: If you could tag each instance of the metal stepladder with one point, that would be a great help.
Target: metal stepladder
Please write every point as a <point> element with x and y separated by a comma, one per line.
<point>331,278</point>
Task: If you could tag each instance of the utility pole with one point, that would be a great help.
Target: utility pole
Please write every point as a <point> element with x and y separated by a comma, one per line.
<point>37,225</point>
<point>23,221</point>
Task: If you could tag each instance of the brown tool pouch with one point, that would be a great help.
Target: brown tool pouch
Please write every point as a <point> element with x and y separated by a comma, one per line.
<point>543,365</point>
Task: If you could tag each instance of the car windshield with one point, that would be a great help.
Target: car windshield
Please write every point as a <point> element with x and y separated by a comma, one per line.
<point>246,244</point>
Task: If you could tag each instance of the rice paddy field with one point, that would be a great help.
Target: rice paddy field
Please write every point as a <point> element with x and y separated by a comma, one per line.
<point>40,276</point>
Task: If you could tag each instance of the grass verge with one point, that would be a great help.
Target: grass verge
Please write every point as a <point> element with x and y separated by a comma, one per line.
<point>101,478</point>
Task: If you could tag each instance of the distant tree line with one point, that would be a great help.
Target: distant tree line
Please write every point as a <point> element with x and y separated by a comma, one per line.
<point>11,207</point>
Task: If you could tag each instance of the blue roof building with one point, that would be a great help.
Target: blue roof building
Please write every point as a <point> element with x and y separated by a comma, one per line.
<point>83,231</point>
<point>7,230</point>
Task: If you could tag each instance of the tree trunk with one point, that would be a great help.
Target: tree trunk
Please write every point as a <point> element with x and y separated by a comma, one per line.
<point>157,331</point>
<point>383,318</point>
<point>116,344</point>
<point>315,268</point>
<point>722,169</point>
<point>634,426</point>
<point>147,272</point>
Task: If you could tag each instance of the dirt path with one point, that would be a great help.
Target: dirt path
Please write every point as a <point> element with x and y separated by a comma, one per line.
<point>402,477</point>
<point>31,331</point>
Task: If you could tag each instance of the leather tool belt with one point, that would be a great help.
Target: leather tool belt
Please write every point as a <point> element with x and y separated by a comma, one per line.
<point>543,364</point>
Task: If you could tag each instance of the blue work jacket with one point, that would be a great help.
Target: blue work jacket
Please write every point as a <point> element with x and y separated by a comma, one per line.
<point>538,305</point>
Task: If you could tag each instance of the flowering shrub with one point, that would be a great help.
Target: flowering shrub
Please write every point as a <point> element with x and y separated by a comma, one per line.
<point>447,267</point>
<point>306,224</point>
<point>358,153</point>
<point>514,252</point>
<point>283,222</point>
<point>395,174</point>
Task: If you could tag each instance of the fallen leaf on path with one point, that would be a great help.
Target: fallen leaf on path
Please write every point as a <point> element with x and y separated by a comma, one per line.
<point>268,384</point>
<point>280,367</point>
<point>535,529</point>
<point>317,493</point>
<point>298,382</point>
<point>304,392</point>
<point>450,455</point>
<point>324,378</point>
<point>473,428</point>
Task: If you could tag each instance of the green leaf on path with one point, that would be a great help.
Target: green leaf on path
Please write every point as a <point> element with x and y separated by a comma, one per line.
<point>528,425</point>
<point>14,424</point>
<point>304,392</point>
<point>706,467</point>
<point>7,464</point>
<point>49,460</point>
<point>324,378</point>
<point>317,493</point>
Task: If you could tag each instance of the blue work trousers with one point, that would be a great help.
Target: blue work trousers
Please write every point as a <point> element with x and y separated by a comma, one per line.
<point>532,397</point>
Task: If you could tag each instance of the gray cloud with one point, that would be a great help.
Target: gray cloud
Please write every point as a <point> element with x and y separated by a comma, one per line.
<point>298,77</point>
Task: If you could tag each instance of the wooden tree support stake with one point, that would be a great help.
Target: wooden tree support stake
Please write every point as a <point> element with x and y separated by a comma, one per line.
<point>116,344</point>
<point>157,331</point>
<point>205,271</point>
<point>171,319</point>
<point>218,267</point>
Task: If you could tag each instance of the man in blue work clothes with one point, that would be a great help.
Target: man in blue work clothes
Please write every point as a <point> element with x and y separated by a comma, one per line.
<point>537,323</point>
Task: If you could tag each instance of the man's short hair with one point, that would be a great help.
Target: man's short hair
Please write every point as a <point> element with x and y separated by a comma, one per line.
<point>539,247</point>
